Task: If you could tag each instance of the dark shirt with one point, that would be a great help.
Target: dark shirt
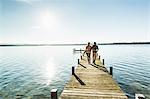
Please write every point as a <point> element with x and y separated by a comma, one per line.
<point>95,48</point>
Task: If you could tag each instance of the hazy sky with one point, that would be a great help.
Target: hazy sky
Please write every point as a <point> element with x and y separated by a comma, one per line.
<point>74,21</point>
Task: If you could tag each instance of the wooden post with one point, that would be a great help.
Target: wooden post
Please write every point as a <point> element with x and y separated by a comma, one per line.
<point>111,71</point>
<point>80,51</point>
<point>54,94</point>
<point>81,57</point>
<point>99,57</point>
<point>103,62</point>
<point>139,96</point>
<point>72,70</point>
<point>78,61</point>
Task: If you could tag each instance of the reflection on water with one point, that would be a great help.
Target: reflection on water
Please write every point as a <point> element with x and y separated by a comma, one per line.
<point>49,70</point>
<point>31,72</point>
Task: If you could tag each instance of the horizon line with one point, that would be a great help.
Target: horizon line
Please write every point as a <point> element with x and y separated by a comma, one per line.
<point>62,44</point>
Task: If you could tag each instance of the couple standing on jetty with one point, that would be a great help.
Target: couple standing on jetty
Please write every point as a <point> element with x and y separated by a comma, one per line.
<point>88,50</point>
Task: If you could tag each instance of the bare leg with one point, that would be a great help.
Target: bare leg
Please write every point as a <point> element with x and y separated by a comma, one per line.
<point>88,57</point>
<point>94,57</point>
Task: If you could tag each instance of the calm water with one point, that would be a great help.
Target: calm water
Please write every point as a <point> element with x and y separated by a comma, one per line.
<point>31,72</point>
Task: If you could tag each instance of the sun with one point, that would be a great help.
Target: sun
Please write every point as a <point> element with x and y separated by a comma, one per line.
<point>47,19</point>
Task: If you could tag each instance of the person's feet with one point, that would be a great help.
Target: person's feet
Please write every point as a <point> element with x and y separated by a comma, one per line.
<point>88,60</point>
<point>94,62</point>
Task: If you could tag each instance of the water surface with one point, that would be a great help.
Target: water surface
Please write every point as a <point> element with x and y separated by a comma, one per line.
<point>31,72</point>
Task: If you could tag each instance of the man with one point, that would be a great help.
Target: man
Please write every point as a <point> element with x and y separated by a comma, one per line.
<point>95,50</point>
<point>88,52</point>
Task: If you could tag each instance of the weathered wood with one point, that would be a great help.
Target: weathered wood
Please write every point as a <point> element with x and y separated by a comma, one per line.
<point>92,82</point>
<point>54,94</point>
<point>111,71</point>
<point>78,61</point>
<point>139,96</point>
<point>72,70</point>
<point>103,62</point>
<point>99,57</point>
<point>81,57</point>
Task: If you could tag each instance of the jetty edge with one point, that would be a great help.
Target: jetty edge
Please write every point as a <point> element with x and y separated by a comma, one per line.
<point>92,81</point>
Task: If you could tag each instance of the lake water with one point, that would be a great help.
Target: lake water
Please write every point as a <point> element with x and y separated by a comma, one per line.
<point>32,71</point>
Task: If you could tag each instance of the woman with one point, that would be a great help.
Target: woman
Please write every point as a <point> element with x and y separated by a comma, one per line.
<point>88,52</point>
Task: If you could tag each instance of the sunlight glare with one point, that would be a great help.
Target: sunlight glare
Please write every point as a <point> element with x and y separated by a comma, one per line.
<point>49,70</point>
<point>47,19</point>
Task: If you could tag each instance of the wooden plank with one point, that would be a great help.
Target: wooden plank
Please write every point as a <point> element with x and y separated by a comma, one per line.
<point>92,82</point>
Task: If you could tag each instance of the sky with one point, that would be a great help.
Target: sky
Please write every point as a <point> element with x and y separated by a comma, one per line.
<point>74,21</point>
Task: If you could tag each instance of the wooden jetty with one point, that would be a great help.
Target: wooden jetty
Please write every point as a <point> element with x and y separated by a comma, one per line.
<point>78,50</point>
<point>91,81</point>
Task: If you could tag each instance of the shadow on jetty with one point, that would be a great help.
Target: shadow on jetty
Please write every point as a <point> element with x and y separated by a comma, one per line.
<point>80,81</point>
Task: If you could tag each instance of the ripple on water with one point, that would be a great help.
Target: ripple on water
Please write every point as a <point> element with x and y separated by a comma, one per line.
<point>23,73</point>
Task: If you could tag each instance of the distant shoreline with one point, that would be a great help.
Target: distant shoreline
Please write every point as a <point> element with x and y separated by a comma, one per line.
<point>125,43</point>
<point>120,43</point>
